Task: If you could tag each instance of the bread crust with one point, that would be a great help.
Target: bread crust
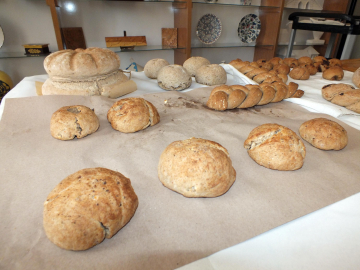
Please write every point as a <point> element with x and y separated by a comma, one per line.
<point>193,63</point>
<point>132,114</point>
<point>275,147</point>
<point>80,63</point>
<point>196,168</point>
<point>87,207</point>
<point>91,86</point>
<point>174,77</point>
<point>324,134</point>
<point>153,66</point>
<point>69,122</point>
<point>213,74</point>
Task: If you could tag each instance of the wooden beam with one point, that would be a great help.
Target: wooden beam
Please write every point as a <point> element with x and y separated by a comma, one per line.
<point>53,5</point>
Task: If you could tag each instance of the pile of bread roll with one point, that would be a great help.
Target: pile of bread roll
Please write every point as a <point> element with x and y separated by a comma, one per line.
<point>226,97</point>
<point>177,77</point>
<point>298,69</point>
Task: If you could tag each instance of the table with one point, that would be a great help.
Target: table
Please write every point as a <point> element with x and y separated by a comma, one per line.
<point>325,239</point>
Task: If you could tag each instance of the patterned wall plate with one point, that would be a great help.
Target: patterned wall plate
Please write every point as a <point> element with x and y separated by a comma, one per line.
<point>249,28</point>
<point>208,29</point>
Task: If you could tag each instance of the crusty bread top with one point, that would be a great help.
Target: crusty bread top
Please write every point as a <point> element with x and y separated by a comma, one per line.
<point>275,147</point>
<point>324,134</point>
<point>196,168</point>
<point>73,121</point>
<point>87,207</point>
<point>81,63</point>
<point>152,67</point>
<point>192,64</point>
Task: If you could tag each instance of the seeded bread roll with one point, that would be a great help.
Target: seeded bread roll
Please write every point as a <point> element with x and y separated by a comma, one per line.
<point>196,168</point>
<point>153,66</point>
<point>192,64</point>
<point>334,73</point>
<point>299,73</point>
<point>343,95</point>
<point>324,134</point>
<point>87,207</point>
<point>73,121</point>
<point>174,77</point>
<point>132,114</point>
<point>275,147</point>
<point>213,74</point>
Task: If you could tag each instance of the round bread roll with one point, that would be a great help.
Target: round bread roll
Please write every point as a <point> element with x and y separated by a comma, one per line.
<point>291,62</point>
<point>335,62</point>
<point>275,147</point>
<point>305,60</point>
<point>213,74</point>
<point>276,61</point>
<point>196,168</point>
<point>87,207</point>
<point>299,73</point>
<point>174,77</point>
<point>320,59</point>
<point>80,63</point>
<point>132,114</point>
<point>310,67</point>
<point>73,121</point>
<point>152,67</point>
<point>324,134</point>
<point>282,69</point>
<point>356,78</point>
<point>334,73</point>
<point>192,64</point>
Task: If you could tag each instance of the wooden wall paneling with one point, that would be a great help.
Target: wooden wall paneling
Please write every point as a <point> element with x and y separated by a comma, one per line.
<point>53,5</point>
<point>182,21</point>
<point>270,27</point>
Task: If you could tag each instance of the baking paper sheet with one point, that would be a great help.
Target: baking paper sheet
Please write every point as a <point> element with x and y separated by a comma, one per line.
<point>167,230</point>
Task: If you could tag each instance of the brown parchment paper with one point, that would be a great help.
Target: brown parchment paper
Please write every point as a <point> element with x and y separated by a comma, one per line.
<point>167,230</point>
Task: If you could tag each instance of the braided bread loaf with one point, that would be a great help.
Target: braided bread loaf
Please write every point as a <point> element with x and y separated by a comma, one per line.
<point>343,95</point>
<point>226,97</point>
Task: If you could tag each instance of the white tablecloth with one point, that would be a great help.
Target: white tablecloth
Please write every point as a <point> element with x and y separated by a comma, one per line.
<point>326,239</point>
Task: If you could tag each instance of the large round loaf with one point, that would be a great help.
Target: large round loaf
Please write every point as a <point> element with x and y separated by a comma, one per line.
<point>174,77</point>
<point>81,63</point>
<point>87,207</point>
<point>213,74</point>
<point>196,168</point>
<point>276,147</point>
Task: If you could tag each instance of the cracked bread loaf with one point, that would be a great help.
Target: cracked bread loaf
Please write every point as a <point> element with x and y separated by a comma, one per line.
<point>324,134</point>
<point>87,207</point>
<point>276,147</point>
<point>73,121</point>
<point>132,114</point>
<point>196,168</point>
<point>93,71</point>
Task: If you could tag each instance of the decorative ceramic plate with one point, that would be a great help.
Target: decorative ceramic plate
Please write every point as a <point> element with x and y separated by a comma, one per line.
<point>208,29</point>
<point>249,28</point>
<point>1,37</point>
